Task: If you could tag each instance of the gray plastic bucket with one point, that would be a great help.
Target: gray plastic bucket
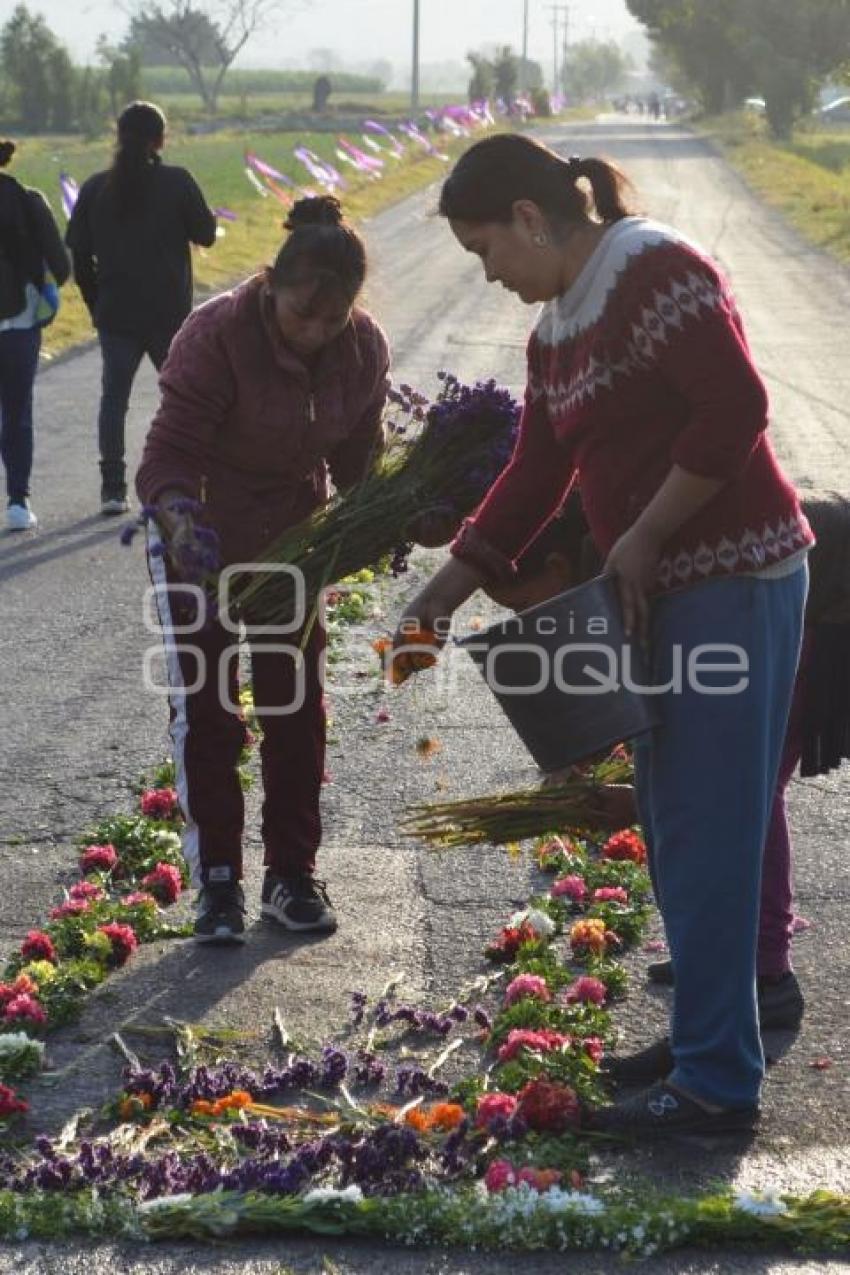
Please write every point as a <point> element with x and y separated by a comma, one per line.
<point>562,673</point>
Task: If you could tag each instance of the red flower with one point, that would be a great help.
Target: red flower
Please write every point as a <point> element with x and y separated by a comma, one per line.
<point>510,940</point>
<point>610,894</point>
<point>38,946</point>
<point>123,940</point>
<point>25,1009</point>
<point>586,991</point>
<point>541,1042</point>
<point>625,845</point>
<point>159,803</point>
<point>98,859</point>
<point>492,1106</point>
<point>164,882</point>
<point>22,986</point>
<point>137,899</point>
<point>594,1048</point>
<point>87,890</point>
<point>74,907</point>
<point>10,1103</point>
<point>548,1107</point>
<point>572,887</point>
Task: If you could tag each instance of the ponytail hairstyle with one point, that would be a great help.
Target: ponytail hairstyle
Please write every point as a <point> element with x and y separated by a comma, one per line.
<point>141,132</point>
<point>322,249</point>
<point>7,150</point>
<point>497,172</point>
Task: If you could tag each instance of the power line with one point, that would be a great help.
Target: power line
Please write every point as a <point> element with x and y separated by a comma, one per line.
<point>559,12</point>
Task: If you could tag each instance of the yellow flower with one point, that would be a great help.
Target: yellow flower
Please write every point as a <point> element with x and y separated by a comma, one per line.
<point>41,972</point>
<point>99,945</point>
<point>588,935</point>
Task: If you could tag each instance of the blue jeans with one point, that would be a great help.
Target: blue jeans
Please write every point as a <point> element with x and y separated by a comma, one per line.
<point>706,778</point>
<point>19,350</point>
<point>121,358</point>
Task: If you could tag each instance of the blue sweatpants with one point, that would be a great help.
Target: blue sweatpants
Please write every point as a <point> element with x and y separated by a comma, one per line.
<point>705,780</point>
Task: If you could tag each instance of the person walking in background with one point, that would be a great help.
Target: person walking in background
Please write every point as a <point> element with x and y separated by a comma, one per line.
<point>641,387</point>
<point>130,236</point>
<point>268,392</point>
<point>30,246</point>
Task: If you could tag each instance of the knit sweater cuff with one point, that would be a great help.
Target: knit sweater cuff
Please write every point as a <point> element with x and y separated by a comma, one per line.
<point>470,546</point>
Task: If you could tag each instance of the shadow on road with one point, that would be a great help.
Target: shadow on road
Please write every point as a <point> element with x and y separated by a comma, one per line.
<point>20,553</point>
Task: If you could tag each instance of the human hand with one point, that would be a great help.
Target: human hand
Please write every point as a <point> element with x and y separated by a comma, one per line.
<point>634,562</point>
<point>434,526</point>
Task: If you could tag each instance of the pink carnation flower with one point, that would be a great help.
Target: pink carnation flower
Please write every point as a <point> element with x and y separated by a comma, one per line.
<point>586,991</point>
<point>123,940</point>
<point>610,894</point>
<point>87,890</point>
<point>525,986</point>
<point>74,907</point>
<point>138,899</point>
<point>540,1042</point>
<point>159,803</point>
<point>500,1175</point>
<point>22,986</point>
<point>571,888</point>
<point>494,1106</point>
<point>25,1009</point>
<point>594,1048</point>
<point>98,859</point>
<point>164,882</point>
<point>38,946</point>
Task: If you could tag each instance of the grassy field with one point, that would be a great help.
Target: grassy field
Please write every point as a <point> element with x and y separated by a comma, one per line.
<point>217,163</point>
<point>185,106</point>
<point>807,179</point>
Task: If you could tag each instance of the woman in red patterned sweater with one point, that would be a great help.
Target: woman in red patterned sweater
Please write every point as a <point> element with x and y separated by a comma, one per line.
<point>642,387</point>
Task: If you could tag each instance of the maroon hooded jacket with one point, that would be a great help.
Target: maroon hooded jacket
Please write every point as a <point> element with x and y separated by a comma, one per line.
<point>244,427</point>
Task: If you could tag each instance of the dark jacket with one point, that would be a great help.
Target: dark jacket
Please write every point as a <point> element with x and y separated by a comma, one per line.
<point>245,426</point>
<point>29,241</point>
<point>135,271</point>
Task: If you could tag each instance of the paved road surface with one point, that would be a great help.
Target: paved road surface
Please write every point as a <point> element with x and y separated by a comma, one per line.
<point>78,727</point>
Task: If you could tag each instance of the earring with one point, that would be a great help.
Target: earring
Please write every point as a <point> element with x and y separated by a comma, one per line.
<point>542,240</point>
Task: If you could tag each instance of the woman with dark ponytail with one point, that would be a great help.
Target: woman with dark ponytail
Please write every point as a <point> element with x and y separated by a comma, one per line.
<point>641,386</point>
<point>30,246</point>
<point>130,236</point>
<point>269,393</point>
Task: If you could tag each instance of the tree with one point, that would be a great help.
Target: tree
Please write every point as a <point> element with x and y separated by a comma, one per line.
<point>505,75</point>
<point>175,26</point>
<point>593,69</point>
<point>139,40</point>
<point>62,79</point>
<point>122,72</point>
<point>26,47</point>
<point>728,48</point>
<point>483,77</point>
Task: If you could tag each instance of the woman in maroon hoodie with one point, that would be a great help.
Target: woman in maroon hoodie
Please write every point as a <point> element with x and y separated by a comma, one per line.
<point>270,393</point>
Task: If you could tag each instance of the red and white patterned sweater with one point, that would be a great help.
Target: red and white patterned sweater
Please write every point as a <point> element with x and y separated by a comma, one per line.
<point>640,365</point>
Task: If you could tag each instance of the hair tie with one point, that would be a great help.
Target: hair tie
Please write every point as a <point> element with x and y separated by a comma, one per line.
<point>574,164</point>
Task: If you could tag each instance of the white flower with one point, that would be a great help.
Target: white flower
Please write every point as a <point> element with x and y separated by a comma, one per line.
<point>319,1194</point>
<point>559,1201</point>
<point>543,925</point>
<point>164,1202</point>
<point>760,1203</point>
<point>167,840</point>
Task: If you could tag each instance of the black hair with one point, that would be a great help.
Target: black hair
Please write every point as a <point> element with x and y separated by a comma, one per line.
<point>7,150</point>
<point>322,249</point>
<point>141,130</point>
<point>495,173</point>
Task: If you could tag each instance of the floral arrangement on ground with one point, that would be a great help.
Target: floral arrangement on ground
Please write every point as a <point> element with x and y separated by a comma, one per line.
<point>367,1136</point>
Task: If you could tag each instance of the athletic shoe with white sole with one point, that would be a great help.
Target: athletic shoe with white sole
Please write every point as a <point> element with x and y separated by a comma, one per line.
<point>219,914</point>
<point>20,517</point>
<point>298,903</point>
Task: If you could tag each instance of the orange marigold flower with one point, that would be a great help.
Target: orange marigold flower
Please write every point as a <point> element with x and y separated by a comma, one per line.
<point>416,650</point>
<point>235,1101</point>
<point>135,1104</point>
<point>200,1107</point>
<point>427,747</point>
<point>447,1115</point>
<point>588,936</point>
<point>418,1119</point>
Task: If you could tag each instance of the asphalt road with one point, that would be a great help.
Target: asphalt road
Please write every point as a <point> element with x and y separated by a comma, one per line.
<point>78,728</point>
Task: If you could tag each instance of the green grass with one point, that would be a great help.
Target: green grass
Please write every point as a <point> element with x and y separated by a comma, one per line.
<point>807,179</point>
<point>216,162</point>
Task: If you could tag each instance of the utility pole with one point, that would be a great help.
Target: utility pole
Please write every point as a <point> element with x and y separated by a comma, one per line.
<point>523,71</point>
<point>414,81</point>
<point>558,11</point>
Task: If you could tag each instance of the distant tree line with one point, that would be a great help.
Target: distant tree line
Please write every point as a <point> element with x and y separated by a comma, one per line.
<point>726,50</point>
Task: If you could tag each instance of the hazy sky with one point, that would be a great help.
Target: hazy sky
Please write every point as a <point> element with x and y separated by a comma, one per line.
<point>367,29</point>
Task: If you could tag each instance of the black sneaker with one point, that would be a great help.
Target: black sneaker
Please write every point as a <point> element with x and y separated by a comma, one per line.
<point>780,1000</point>
<point>220,911</point>
<point>781,1003</point>
<point>661,1111</point>
<point>643,1068</point>
<point>298,903</point>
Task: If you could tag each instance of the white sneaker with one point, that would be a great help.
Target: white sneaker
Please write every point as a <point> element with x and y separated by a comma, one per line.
<point>111,505</point>
<point>20,518</point>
